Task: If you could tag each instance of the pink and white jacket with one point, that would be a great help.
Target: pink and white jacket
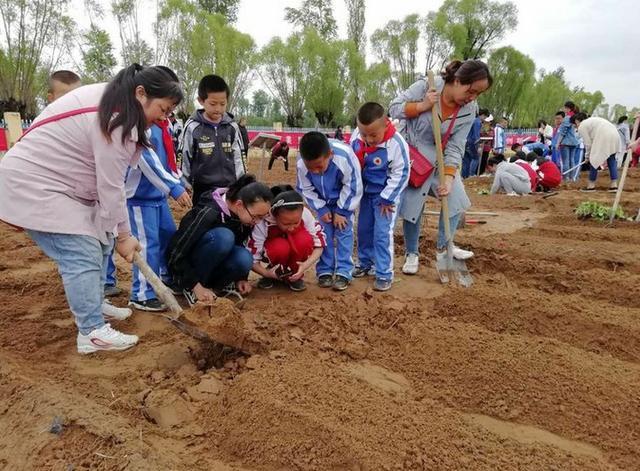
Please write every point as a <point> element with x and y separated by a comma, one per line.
<point>65,177</point>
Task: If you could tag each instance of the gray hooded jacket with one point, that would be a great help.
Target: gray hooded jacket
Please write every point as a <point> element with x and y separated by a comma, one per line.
<point>418,132</point>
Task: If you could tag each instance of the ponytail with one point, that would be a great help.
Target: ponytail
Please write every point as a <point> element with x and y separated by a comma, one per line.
<point>466,72</point>
<point>249,191</point>
<point>120,107</point>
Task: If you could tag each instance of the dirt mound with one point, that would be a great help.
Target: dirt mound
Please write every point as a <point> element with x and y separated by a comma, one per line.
<point>535,367</point>
<point>224,323</point>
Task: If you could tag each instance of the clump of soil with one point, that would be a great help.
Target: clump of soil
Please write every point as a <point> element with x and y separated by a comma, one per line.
<point>224,323</point>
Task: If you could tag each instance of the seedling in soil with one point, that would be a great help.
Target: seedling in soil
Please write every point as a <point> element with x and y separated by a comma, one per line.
<point>600,212</point>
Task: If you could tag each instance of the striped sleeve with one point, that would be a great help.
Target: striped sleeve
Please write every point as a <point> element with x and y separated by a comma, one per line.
<point>398,173</point>
<point>257,240</point>
<point>153,169</point>
<point>349,167</point>
<point>314,228</point>
<point>308,191</point>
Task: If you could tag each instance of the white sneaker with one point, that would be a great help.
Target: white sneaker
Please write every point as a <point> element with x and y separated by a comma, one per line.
<point>411,264</point>
<point>512,193</point>
<point>113,312</point>
<point>105,338</point>
<point>461,254</point>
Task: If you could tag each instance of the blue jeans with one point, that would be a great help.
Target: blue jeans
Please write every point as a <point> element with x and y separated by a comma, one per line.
<point>218,261</point>
<point>569,156</point>
<point>81,260</point>
<point>412,232</point>
<point>470,163</point>
<point>613,169</point>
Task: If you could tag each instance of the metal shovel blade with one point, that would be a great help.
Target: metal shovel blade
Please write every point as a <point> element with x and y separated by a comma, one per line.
<point>450,268</point>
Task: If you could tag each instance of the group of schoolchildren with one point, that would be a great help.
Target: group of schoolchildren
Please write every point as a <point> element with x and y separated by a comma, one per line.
<point>236,225</point>
<point>557,155</point>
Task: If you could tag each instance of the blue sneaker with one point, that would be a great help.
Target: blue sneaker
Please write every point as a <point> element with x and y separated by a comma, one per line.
<point>382,285</point>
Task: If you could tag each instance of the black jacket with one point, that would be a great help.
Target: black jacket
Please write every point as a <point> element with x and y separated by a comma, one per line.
<point>199,220</point>
<point>245,138</point>
<point>211,154</point>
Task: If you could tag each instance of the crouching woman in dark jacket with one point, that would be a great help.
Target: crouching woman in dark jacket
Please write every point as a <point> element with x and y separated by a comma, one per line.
<point>207,253</point>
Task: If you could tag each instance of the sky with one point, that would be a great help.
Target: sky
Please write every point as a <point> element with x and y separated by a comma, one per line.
<point>597,42</point>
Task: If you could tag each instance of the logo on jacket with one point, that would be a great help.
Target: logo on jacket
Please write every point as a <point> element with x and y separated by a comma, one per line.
<point>206,147</point>
<point>377,161</point>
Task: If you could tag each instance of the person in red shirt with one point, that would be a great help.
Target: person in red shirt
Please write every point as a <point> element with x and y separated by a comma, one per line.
<point>280,151</point>
<point>289,240</point>
<point>549,175</point>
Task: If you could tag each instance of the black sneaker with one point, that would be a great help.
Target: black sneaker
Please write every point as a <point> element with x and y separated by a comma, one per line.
<point>341,283</point>
<point>265,283</point>
<point>297,285</point>
<point>111,291</point>
<point>229,292</point>
<point>325,281</point>
<point>361,272</point>
<point>382,285</point>
<point>190,297</point>
<point>151,305</point>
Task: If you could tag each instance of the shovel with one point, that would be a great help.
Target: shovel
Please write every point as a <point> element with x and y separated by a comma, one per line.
<point>166,296</point>
<point>449,268</point>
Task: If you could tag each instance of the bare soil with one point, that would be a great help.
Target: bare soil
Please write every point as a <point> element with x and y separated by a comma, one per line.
<point>537,366</point>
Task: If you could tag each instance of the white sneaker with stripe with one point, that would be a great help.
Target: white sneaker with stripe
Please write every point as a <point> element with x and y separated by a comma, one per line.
<point>105,339</point>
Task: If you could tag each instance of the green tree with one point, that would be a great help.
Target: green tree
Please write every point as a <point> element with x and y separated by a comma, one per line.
<point>242,107</point>
<point>37,35</point>
<point>545,98</point>
<point>378,85</point>
<point>260,104</point>
<point>437,48</point>
<point>97,56</point>
<point>287,71</point>
<point>329,76</point>
<point>617,111</point>
<point>226,8</point>
<point>513,75</point>
<point>587,101</point>
<point>397,45</point>
<point>195,43</point>
<point>316,14</point>
<point>134,48</point>
<point>473,26</point>
<point>355,25</point>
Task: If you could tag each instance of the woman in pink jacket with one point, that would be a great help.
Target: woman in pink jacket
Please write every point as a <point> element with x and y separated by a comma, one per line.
<point>63,182</point>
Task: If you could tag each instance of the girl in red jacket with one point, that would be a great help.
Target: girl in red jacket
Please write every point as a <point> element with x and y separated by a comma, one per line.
<point>549,175</point>
<point>289,240</point>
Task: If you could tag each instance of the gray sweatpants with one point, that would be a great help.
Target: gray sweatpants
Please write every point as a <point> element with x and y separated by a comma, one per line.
<point>512,184</point>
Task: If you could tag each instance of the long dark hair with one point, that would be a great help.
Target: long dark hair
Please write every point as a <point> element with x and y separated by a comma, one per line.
<point>467,72</point>
<point>249,191</point>
<point>119,99</point>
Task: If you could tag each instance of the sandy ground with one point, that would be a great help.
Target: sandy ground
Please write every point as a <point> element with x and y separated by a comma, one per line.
<point>535,367</point>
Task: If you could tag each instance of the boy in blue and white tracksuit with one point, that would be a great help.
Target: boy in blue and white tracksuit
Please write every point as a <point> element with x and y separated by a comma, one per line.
<point>147,187</point>
<point>499,137</point>
<point>329,179</point>
<point>384,156</point>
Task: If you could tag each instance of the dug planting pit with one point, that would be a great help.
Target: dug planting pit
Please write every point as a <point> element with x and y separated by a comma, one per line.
<point>232,336</point>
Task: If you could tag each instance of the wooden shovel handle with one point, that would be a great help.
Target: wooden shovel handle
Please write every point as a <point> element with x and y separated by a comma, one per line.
<point>164,294</point>
<point>437,135</point>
